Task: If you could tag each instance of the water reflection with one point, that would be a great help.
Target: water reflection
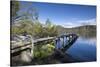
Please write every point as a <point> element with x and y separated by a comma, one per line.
<point>84,49</point>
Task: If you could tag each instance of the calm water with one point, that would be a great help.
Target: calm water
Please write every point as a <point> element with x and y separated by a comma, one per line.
<point>84,49</point>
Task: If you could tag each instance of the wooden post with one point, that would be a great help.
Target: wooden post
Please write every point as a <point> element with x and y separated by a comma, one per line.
<point>55,43</point>
<point>63,41</point>
<point>32,48</point>
<point>32,45</point>
<point>26,56</point>
<point>58,41</point>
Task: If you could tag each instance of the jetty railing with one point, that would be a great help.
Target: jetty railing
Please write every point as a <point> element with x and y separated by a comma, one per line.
<point>23,44</point>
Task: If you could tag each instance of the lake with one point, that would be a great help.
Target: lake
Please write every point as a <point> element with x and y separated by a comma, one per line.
<point>83,50</point>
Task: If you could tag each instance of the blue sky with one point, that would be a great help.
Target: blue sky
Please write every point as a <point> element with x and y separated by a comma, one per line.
<point>66,15</point>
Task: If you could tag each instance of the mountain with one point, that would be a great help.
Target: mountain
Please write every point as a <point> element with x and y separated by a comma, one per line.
<point>86,30</point>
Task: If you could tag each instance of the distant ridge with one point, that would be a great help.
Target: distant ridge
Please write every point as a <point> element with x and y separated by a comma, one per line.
<point>81,30</point>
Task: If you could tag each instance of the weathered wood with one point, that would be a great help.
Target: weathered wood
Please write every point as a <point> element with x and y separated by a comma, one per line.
<point>18,46</point>
<point>71,38</point>
<point>21,48</point>
<point>26,56</point>
<point>68,45</point>
<point>43,39</point>
<point>22,51</point>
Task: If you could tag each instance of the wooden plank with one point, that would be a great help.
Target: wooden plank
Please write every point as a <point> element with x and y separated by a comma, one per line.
<point>44,39</point>
<point>16,46</point>
<point>21,48</point>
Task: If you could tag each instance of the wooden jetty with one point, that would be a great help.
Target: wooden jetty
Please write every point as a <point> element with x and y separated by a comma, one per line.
<point>24,48</point>
<point>70,39</point>
<point>15,47</point>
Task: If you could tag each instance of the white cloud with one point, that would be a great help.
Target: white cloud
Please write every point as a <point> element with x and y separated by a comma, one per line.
<point>70,25</point>
<point>79,23</point>
<point>88,22</point>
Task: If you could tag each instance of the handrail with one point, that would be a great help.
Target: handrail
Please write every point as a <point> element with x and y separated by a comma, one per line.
<point>14,49</point>
<point>30,44</point>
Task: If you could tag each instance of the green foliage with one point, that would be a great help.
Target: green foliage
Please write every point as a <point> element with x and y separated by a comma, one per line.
<point>38,30</point>
<point>29,22</point>
<point>50,28</point>
<point>24,26</point>
<point>35,29</point>
<point>43,50</point>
